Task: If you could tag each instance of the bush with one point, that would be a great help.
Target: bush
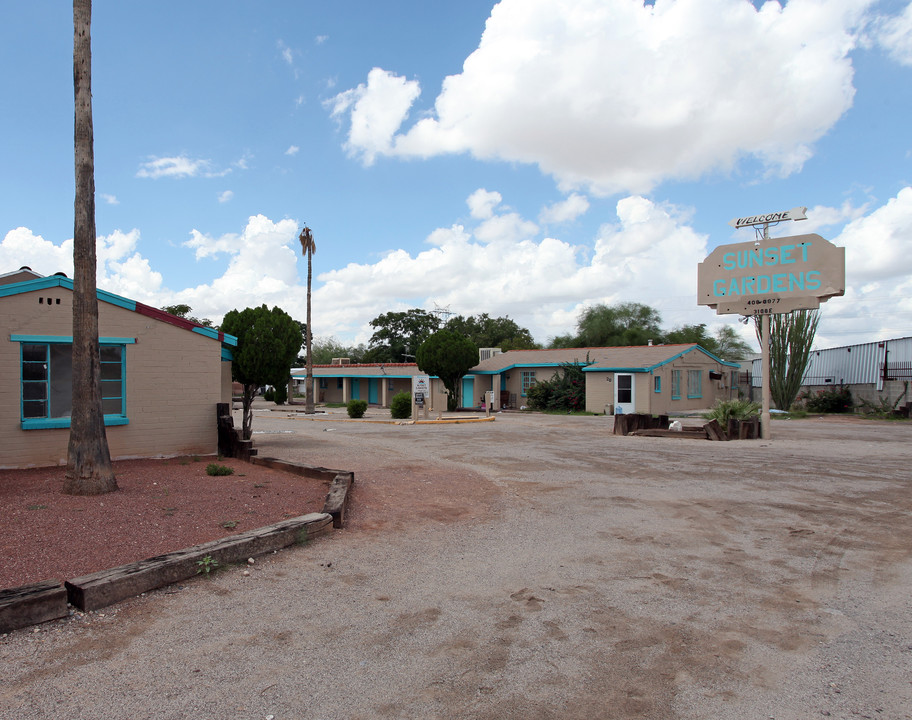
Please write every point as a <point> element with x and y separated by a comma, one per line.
<point>726,410</point>
<point>565,392</point>
<point>280,395</point>
<point>831,400</point>
<point>215,469</point>
<point>401,405</point>
<point>356,408</point>
<point>269,395</point>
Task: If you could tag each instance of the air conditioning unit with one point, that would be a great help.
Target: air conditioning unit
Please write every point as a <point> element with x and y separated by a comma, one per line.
<point>485,353</point>
<point>341,361</point>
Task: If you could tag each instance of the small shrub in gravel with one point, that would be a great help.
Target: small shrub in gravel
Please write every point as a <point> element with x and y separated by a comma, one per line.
<point>356,408</point>
<point>215,469</point>
<point>401,405</point>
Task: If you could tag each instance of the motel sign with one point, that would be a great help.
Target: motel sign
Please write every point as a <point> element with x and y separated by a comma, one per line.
<point>776,276</point>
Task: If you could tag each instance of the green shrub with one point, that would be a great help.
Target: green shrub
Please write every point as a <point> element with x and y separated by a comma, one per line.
<point>725,410</point>
<point>830,400</point>
<point>269,395</point>
<point>401,405</point>
<point>356,408</point>
<point>215,469</point>
<point>280,395</point>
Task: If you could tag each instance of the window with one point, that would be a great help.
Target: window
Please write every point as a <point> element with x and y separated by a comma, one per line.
<point>46,377</point>
<point>657,383</point>
<point>339,383</point>
<point>694,384</point>
<point>322,383</point>
<point>528,380</point>
<point>675,384</point>
<point>624,389</point>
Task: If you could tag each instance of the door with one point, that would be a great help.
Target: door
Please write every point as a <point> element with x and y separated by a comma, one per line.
<point>356,389</point>
<point>623,394</point>
<point>468,392</point>
<point>373,391</point>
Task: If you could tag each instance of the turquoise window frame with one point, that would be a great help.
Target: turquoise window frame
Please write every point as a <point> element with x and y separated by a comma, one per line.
<point>694,384</point>
<point>657,383</point>
<point>528,380</point>
<point>46,423</point>
<point>675,384</point>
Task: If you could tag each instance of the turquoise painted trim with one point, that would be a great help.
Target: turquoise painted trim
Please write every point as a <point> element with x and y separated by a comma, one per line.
<point>57,423</point>
<point>32,285</point>
<point>113,299</point>
<point>508,368</point>
<point>69,339</point>
<point>229,340</point>
<point>227,355</point>
<point>208,332</point>
<point>620,369</point>
<point>657,384</point>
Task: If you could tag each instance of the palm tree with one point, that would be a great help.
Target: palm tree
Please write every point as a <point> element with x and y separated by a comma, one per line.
<point>308,248</point>
<point>89,470</point>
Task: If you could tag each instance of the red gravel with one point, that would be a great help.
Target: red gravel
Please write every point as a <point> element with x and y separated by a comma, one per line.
<point>161,506</point>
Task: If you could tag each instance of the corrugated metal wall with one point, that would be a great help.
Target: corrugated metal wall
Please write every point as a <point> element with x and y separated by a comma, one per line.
<point>856,364</point>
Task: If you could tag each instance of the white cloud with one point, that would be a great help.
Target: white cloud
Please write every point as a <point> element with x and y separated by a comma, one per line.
<point>564,211</point>
<point>225,196</point>
<point>21,246</point>
<point>613,95</point>
<point>286,52</point>
<point>292,150</point>
<point>320,39</point>
<point>110,199</point>
<point>177,167</point>
<point>376,112</point>
<point>482,203</point>
<point>894,34</point>
<point>879,246</point>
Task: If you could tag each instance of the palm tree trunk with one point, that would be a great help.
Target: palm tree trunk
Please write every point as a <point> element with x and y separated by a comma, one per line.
<point>89,470</point>
<point>309,380</point>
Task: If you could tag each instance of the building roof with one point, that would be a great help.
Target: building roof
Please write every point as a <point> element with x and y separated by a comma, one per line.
<point>371,370</point>
<point>635,358</point>
<point>43,283</point>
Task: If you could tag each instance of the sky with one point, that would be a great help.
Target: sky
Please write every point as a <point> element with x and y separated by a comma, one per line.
<point>527,158</point>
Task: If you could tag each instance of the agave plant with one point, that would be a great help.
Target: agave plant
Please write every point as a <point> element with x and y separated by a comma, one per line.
<point>726,410</point>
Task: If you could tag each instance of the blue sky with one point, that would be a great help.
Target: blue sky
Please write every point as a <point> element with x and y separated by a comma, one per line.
<point>527,158</point>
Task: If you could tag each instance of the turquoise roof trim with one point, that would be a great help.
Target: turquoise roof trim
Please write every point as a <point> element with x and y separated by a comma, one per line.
<point>69,339</point>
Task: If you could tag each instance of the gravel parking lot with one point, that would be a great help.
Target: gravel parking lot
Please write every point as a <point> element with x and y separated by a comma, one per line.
<point>531,567</point>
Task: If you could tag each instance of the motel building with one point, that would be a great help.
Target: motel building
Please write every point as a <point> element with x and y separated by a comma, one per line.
<point>654,379</point>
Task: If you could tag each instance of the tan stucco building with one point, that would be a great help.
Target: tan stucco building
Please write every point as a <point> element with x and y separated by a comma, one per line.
<point>654,379</point>
<point>162,376</point>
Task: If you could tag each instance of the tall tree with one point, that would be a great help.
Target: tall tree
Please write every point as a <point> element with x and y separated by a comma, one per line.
<point>398,335</point>
<point>89,469</point>
<point>618,325</point>
<point>308,247</point>
<point>791,339</point>
<point>449,356</point>
<point>486,332</point>
<point>692,334</point>
<point>268,343</point>
<point>730,345</point>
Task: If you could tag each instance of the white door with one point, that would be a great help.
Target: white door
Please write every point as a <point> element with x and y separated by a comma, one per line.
<point>623,394</point>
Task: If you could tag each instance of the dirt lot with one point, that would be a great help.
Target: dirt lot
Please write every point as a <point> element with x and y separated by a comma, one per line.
<point>533,567</point>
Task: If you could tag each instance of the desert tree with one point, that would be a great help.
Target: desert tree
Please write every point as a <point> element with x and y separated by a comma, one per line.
<point>268,343</point>
<point>449,356</point>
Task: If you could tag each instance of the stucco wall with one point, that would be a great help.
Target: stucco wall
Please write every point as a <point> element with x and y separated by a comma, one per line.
<point>174,378</point>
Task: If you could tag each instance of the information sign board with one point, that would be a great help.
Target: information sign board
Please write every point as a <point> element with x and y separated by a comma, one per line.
<point>774,276</point>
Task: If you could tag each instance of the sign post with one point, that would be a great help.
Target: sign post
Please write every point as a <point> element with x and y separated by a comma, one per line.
<point>421,394</point>
<point>768,277</point>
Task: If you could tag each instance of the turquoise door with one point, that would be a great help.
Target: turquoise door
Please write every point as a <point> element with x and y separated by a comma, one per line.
<point>373,391</point>
<point>356,389</point>
<point>468,392</point>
